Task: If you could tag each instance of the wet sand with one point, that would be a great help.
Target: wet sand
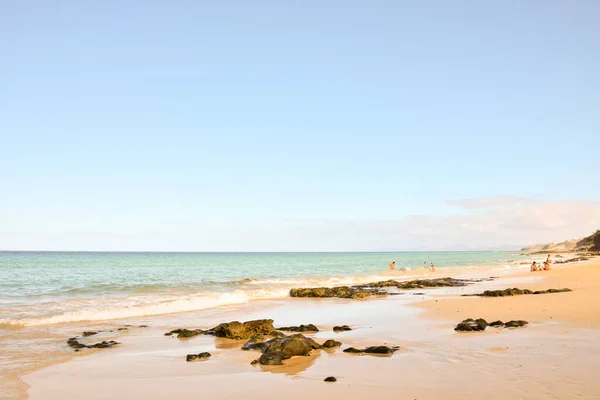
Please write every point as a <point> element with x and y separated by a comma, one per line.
<point>551,358</point>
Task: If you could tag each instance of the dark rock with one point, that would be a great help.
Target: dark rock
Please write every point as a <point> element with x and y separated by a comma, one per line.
<point>518,292</point>
<point>331,343</point>
<point>330,379</point>
<point>143,326</point>
<point>497,323</point>
<point>552,291</point>
<point>122,329</point>
<point>505,292</point>
<point>185,333</point>
<point>239,330</point>
<point>372,350</point>
<point>256,342</point>
<point>341,328</point>
<point>373,288</point>
<point>342,292</point>
<point>301,328</point>
<point>516,324</point>
<point>75,343</point>
<point>353,350</point>
<point>103,345</point>
<point>89,333</point>
<point>254,362</point>
<point>417,283</point>
<point>279,349</point>
<point>570,260</point>
<point>198,357</point>
<point>380,350</point>
<point>271,359</point>
<point>472,325</point>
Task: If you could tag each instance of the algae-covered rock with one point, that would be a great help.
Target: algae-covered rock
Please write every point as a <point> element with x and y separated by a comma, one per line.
<point>239,330</point>
<point>280,349</point>
<point>185,333</point>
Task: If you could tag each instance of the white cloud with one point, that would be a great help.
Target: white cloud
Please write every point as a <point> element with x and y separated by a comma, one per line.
<point>499,224</point>
<point>488,202</point>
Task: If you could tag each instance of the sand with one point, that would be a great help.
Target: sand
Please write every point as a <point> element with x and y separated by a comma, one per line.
<point>555,357</point>
<point>579,308</point>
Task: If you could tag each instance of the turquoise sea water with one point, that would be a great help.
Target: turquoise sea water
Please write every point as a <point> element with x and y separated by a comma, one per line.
<point>38,288</point>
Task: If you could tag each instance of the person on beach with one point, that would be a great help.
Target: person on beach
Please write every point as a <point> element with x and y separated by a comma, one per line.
<point>392,265</point>
<point>548,259</point>
<point>547,265</point>
<point>432,268</point>
<point>534,267</point>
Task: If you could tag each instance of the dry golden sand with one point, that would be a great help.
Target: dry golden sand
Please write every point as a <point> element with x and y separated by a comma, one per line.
<point>579,308</point>
<point>552,358</point>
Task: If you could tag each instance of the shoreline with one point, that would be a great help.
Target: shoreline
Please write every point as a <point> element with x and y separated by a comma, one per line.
<point>298,308</point>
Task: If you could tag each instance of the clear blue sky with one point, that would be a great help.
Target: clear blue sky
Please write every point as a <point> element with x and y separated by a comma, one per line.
<point>191,125</point>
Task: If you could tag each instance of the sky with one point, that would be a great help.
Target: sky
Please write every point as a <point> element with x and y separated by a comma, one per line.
<point>298,125</point>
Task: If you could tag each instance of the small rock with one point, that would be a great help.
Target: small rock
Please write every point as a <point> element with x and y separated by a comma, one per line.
<point>472,325</point>
<point>103,345</point>
<point>74,343</point>
<point>122,329</point>
<point>301,328</point>
<point>516,324</point>
<point>341,328</point>
<point>89,333</point>
<point>198,357</point>
<point>185,333</point>
<point>372,350</point>
<point>497,324</point>
<point>331,343</point>
<point>330,379</point>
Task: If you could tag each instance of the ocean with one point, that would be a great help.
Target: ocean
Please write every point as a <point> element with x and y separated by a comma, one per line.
<point>45,288</point>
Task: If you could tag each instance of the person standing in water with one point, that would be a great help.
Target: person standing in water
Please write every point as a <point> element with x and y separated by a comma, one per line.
<point>392,265</point>
<point>432,268</point>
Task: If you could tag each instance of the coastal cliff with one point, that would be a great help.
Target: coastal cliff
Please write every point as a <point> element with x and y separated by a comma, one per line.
<point>588,243</point>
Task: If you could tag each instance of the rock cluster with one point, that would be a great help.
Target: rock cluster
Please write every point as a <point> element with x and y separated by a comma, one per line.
<point>480,324</point>
<point>342,292</point>
<point>517,292</point>
<point>374,288</point>
<point>77,345</point>
<point>231,330</point>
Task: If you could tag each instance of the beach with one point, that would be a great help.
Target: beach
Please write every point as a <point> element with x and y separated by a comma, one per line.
<point>552,357</point>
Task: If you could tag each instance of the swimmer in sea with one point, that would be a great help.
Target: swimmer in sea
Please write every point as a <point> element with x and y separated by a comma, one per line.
<point>392,265</point>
